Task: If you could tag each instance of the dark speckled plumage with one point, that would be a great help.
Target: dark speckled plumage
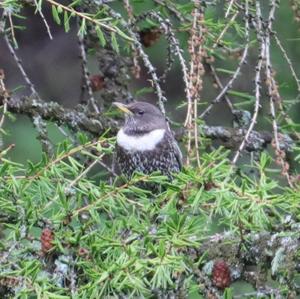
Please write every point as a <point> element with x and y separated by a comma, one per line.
<point>165,157</point>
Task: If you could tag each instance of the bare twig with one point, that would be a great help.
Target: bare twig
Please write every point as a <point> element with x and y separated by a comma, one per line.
<point>167,28</point>
<point>38,122</point>
<point>6,150</point>
<point>73,278</point>
<point>238,69</point>
<point>74,119</point>
<point>229,8</point>
<point>5,255</point>
<point>214,73</point>
<point>41,128</point>
<point>294,74</point>
<point>83,173</point>
<point>39,10</point>
<point>12,29</point>
<point>288,60</point>
<point>257,78</point>
<point>195,84</point>
<point>169,63</point>
<point>109,169</point>
<point>151,70</point>
<point>20,66</point>
<point>86,76</point>
<point>220,85</point>
<point>235,74</point>
<point>172,9</point>
<point>274,94</point>
<point>110,194</point>
<point>231,137</point>
<point>155,80</point>
<point>95,125</point>
<point>136,69</point>
<point>227,26</point>
<point>5,95</point>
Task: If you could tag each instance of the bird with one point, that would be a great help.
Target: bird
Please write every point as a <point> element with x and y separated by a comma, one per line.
<point>145,143</point>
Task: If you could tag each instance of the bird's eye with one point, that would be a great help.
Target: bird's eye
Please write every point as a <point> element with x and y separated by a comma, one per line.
<point>140,112</point>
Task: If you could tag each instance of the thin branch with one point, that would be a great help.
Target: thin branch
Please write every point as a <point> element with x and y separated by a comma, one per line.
<point>172,9</point>
<point>227,26</point>
<point>73,278</point>
<point>20,66</point>
<point>229,8</point>
<point>43,19</point>
<point>61,157</point>
<point>11,248</point>
<point>83,173</point>
<point>12,30</point>
<point>86,76</point>
<point>5,95</point>
<point>41,128</point>
<point>6,150</point>
<point>288,60</point>
<point>167,28</point>
<point>237,71</point>
<point>88,18</point>
<point>196,72</point>
<point>274,94</point>
<point>287,118</point>
<point>231,137</point>
<point>213,71</point>
<point>169,62</point>
<point>151,70</point>
<point>109,195</point>
<point>220,85</point>
<point>74,119</point>
<point>97,125</point>
<point>155,80</point>
<point>257,79</point>
<point>136,69</point>
<point>38,122</point>
<point>109,169</point>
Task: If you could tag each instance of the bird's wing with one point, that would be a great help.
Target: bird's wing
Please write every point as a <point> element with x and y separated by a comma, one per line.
<point>176,148</point>
<point>115,166</point>
<point>178,153</point>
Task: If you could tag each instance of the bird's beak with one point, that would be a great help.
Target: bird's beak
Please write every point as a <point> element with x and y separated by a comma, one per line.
<point>122,107</point>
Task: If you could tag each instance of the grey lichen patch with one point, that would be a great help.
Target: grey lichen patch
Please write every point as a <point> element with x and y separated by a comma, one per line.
<point>52,111</point>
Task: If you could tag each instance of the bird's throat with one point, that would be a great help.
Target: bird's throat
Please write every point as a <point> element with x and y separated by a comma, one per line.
<point>144,142</point>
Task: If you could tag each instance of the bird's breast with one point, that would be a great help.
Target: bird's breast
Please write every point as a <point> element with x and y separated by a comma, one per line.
<point>145,142</point>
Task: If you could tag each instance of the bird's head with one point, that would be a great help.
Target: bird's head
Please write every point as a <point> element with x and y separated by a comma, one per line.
<point>141,118</point>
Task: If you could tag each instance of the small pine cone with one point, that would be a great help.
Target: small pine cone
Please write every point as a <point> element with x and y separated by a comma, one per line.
<point>83,252</point>
<point>2,74</point>
<point>47,237</point>
<point>210,295</point>
<point>221,275</point>
<point>97,82</point>
<point>10,281</point>
<point>209,185</point>
<point>149,36</point>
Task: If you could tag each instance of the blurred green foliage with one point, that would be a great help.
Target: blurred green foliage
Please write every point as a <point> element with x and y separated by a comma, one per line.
<point>120,239</point>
